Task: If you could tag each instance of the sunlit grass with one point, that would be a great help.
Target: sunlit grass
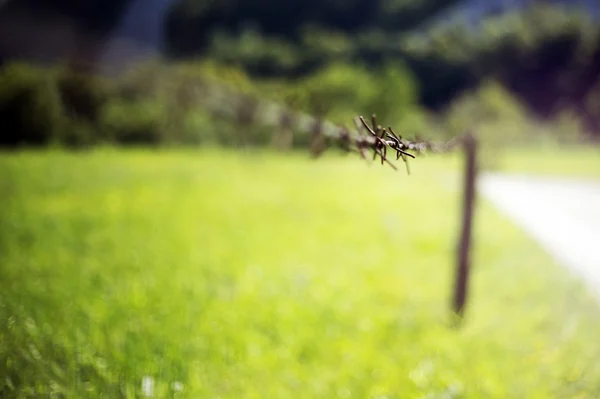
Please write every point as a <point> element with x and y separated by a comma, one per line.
<point>573,161</point>
<point>258,275</point>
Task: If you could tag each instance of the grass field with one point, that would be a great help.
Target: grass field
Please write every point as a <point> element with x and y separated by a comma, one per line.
<point>574,161</point>
<point>236,275</point>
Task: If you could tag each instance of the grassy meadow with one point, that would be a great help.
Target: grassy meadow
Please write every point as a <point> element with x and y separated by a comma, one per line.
<point>574,161</point>
<point>221,274</point>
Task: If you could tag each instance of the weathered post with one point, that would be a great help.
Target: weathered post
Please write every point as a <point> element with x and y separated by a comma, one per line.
<point>463,266</point>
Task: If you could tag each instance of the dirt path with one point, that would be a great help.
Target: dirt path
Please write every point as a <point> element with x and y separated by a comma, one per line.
<point>562,215</point>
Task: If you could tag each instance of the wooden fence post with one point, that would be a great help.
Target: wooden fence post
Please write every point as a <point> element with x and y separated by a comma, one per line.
<point>464,244</point>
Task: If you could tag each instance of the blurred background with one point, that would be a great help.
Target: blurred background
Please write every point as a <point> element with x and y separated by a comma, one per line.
<point>527,70</point>
<point>153,243</point>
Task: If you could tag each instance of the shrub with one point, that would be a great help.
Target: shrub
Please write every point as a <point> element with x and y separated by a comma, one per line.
<point>30,107</point>
<point>160,104</point>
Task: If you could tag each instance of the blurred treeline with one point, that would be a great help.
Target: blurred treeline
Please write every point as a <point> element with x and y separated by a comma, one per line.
<point>529,73</point>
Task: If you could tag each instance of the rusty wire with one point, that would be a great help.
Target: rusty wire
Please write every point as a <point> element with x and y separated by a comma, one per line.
<point>372,138</point>
<point>322,134</point>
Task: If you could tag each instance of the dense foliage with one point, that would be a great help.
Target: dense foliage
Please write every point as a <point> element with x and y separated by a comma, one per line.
<point>157,103</point>
<point>327,54</point>
<point>192,22</point>
<point>547,54</point>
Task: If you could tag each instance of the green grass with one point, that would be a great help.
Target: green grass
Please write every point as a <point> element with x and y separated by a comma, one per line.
<point>575,161</point>
<point>230,275</point>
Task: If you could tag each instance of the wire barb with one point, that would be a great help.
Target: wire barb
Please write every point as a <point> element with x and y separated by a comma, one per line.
<point>229,103</point>
<point>379,138</point>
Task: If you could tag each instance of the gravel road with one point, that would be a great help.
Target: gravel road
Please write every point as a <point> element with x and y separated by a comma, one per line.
<point>562,215</point>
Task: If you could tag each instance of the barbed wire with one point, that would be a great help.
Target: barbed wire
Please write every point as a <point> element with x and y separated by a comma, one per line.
<point>369,141</point>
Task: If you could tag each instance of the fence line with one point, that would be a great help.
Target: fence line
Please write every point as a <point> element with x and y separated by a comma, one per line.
<point>463,261</point>
<point>246,109</point>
